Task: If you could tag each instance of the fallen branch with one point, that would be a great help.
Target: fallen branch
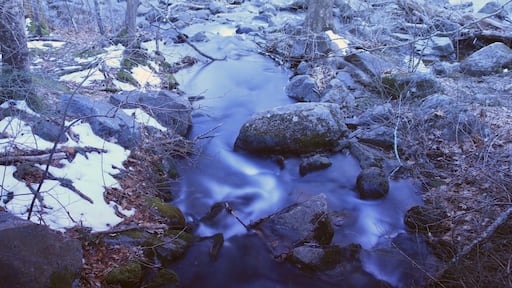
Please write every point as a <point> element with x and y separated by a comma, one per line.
<point>487,233</point>
<point>484,236</point>
<point>39,159</point>
<point>42,156</point>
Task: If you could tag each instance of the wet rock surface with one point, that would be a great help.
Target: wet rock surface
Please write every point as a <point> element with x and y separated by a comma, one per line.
<point>297,129</point>
<point>372,183</point>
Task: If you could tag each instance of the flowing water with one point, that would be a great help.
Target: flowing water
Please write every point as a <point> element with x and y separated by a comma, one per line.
<point>255,187</point>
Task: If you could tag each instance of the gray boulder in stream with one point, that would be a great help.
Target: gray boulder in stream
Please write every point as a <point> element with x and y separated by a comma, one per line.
<point>298,128</point>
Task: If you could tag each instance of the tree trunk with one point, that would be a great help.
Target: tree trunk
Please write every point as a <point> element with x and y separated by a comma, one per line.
<point>36,19</point>
<point>13,41</point>
<point>131,22</point>
<point>319,16</point>
<point>97,11</point>
<point>15,80</point>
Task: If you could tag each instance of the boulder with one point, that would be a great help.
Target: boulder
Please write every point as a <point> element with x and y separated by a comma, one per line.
<point>303,88</point>
<point>367,156</point>
<point>488,60</point>
<point>493,7</point>
<point>372,183</point>
<point>170,109</point>
<point>34,256</point>
<point>298,128</point>
<point>380,136</point>
<point>370,64</point>
<point>453,119</point>
<point>106,120</point>
<point>299,223</point>
<point>416,85</point>
<point>438,47</point>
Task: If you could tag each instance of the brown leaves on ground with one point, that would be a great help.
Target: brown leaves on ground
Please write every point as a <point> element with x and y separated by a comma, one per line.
<point>471,179</point>
<point>137,181</point>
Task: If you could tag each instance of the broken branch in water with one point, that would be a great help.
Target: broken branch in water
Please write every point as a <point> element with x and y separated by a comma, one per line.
<point>230,211</point>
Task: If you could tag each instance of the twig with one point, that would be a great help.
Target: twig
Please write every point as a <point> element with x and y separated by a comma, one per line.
<point>204,134</point>
<point>230,211</point>
<point>416,264</point>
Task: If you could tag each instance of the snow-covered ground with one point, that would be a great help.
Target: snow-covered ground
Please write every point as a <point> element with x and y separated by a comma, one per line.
<point>90,174</point>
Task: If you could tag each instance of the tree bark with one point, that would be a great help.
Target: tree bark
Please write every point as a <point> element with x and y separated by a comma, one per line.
<point>13,41</point>
<point>15,81</point>
<point>319,16</point>
<point>97,12</point>
<point>131,22</point>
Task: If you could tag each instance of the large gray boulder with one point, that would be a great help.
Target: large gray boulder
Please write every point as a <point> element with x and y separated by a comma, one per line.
<point>34,256</point>
<point>171,110</point>
<point>106,120</point>
<point>298,128</point>
<point>488,60</point>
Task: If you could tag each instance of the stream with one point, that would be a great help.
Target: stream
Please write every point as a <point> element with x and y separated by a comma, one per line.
<point>256,187</point>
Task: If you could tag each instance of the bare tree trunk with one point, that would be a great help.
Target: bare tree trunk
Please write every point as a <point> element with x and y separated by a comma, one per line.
<point>131,22</point>
<point>319,16</point>
<point>36,19</point>
<point>97,11</point>
<point>15,78</point>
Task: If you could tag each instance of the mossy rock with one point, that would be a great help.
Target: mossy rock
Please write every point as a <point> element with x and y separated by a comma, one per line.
<point>62,279</point>
<point>187,237</point>
<point>32,28</point>
<point>128,275</point>
<point>163,278</point>
<point>91,52</point>
<point>171,212</point>
<point>125,76</point>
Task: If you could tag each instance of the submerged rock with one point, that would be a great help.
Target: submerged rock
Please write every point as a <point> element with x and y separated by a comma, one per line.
<point>372,183</point>
<point>488,60</point>
<point>293,129</point>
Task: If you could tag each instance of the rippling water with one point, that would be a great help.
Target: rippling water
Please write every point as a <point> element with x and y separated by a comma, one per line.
<point>256,187</point>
